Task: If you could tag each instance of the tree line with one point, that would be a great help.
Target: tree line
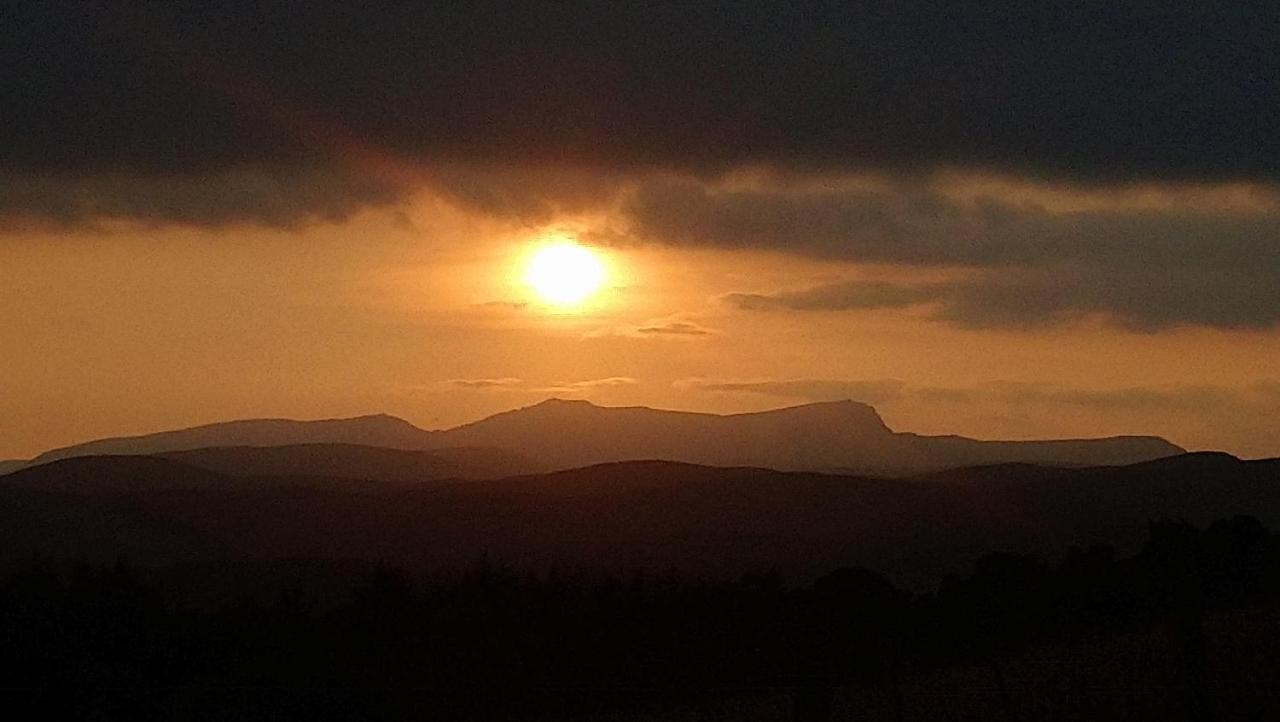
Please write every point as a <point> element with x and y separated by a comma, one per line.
<point>486,643</point>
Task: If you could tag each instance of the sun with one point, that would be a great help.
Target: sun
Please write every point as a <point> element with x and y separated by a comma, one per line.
<point>565,274</point>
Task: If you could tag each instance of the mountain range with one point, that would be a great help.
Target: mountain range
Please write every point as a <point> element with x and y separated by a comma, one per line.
<point>567,484</point>
<point>841,436</point>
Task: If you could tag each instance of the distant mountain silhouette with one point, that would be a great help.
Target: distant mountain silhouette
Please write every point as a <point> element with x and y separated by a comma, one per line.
<point>843,436</point>
<point>840,435</point>
<point>376,430</point>
<point>711,521</point>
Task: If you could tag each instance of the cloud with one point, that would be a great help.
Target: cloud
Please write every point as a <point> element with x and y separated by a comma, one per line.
<point>671,328</point>
<point>506,382</point>
<point>1137,300</point>
<point>519,385</point>
<point>1143,264</point>
<point>189,113</point>
<point>505,305</point>
<point>574,387</point>
<point>278,197</point>
<point>845,296</point>
<point>531,193</point>
<point>674,328</point>
<point>405,93</point>
<point>872,392</point>
<point>928,224</point>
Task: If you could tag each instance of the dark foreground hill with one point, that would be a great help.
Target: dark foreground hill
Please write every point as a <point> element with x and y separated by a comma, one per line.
<point>353,461</point>
<point>842,436</point>
<point>718,522</point>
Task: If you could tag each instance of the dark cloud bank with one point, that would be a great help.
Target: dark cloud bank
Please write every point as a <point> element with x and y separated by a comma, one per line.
<point>278,113</point>
<point>1089,90</point>
<point>1144,268</point>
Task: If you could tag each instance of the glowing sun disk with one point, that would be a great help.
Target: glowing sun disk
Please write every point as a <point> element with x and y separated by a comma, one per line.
<point>565,274</point>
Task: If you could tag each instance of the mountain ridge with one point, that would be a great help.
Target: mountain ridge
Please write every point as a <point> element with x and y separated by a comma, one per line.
<point>843,436</point>
<point>390,432</point>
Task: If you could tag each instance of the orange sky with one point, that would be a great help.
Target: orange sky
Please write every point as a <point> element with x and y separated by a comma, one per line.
<point>419,309</point>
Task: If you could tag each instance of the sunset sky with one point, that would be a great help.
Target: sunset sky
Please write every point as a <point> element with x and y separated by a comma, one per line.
<point>1015,220</point>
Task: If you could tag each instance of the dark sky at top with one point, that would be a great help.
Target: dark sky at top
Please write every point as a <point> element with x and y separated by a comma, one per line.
<point>1077,90</point>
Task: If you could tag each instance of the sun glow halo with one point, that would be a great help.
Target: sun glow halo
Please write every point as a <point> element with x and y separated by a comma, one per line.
<point>565,274</point>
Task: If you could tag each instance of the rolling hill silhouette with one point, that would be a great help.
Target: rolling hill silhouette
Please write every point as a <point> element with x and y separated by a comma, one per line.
<point>842,436</point>
<point>113,474</point>
<point>712,521</point>
<point>352,461</point>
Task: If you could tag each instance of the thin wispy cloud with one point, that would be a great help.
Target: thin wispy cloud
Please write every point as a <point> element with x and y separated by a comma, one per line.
<point>873,391</point>
<point>658,328</point>
<point>524,386</point>
<point>507,382</point>
<point>573,387</point>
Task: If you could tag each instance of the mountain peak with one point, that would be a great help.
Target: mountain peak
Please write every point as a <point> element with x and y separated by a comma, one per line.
<point>386,420</point>
<point>836,404</point>
<point>843,412</point>
<point>575,432</point>
<point>556,401</point>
